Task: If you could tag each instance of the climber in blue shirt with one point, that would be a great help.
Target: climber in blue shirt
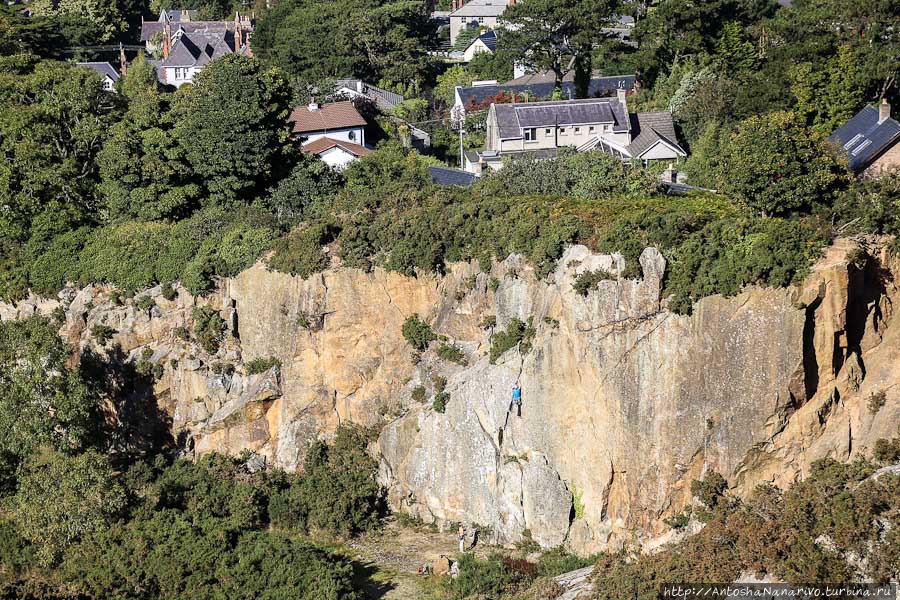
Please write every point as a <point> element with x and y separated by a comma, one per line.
<point>517,399</point>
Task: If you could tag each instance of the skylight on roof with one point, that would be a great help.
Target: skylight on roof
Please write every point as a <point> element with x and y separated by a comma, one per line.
<point>861,147</point>
<point>853,141</point>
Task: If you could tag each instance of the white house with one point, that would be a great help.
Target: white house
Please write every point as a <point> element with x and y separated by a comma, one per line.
<point>539,129</point>
<point>484,14</point>
<point>486,43</point>
<point>338,121</point>
<point>335,153</point>
<point>107,72</point>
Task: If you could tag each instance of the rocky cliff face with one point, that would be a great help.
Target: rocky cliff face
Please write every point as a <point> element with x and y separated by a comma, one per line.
<point>624,403</point>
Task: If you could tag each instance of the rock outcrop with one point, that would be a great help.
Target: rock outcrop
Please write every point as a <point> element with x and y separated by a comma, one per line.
<point>624,402</point>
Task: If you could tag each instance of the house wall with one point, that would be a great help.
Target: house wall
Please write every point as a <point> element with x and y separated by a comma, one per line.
<point>108,84</point>
<point>457,24</point>
<point>556,137</point>
<point>478,47</point>
<point>888,161</point>
<point>357,135</point>
<point>660,152</point>
<point>337,158</point>
<point>178,76</point>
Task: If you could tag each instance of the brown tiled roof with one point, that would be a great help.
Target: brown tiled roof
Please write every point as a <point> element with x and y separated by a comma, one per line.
<point>326,143</point>
<point>336,115</point>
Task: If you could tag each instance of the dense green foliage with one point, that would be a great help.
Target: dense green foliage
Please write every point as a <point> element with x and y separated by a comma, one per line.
<point>801,535</point>
<point>381,41</point>
<point>337,492</point>
<point>84,515</point>
<point>43,402</point>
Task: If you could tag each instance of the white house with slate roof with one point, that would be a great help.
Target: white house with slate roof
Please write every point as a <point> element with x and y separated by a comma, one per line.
<point>539,129</point>
<point>105,70</point>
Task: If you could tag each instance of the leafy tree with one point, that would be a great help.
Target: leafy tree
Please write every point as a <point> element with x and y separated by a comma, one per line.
<point>142,166</point>
<point>43,402</point>
<point>417,332</point>
<point>776,166</point>
<point>547,33</point>
<point>309,186</point>
<point>314,42</point>
<point>734,49</point>
<point>104,15</point>
<point>445,90</point>
<point>53,120</point>
<point>337,492</point>
<point>61,499</point>
<point>231,126</point>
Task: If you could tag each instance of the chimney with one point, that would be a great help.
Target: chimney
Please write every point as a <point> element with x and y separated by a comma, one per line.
<point>123,64</point>
<point>359,86</point>
<point>884,111</point>
<point>511,2</point>
<point>167,39</point>
<point>313,105</point>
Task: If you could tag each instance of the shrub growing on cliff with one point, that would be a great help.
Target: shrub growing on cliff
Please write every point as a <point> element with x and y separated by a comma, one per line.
<point>588,281</point>
<point>710,490</point>
<point>452,353</point>
<point>417,333</point>
<point>517,333</point>
<point>440,401</point>
<point>302,251</point>
<point>208,328</point>
<point>261,365</point>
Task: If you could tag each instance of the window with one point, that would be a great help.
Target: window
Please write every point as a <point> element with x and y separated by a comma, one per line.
<point>591,129</point>
<point>577,130</point>
<point>481,20</point>
<point>351,135</point>
<point>562,131</point>
<point>530,134</point>
<point>606,128</point>
<point>548,132</point>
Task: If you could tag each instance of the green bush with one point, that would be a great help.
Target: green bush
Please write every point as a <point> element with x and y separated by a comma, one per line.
<point>451,353</point>
<point>261,365</point>
<point>169,292</point>
<point>517,333</point>
<point>876,401</point>
<point>102,333</point>
<point>710,491</point>
<point>726,255</point>
<point>440,401</point>
<point>226,254</point>
<point>144,303</point>
<point>419,393</point>
<point>488,322</point>
<point>337,491</point>
<point>301,252</point>
<point>208,328</point>
<point>417,333</point>
<point>588,281</point>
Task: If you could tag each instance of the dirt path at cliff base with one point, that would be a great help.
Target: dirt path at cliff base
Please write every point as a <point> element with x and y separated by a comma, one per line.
<point>390,558</point>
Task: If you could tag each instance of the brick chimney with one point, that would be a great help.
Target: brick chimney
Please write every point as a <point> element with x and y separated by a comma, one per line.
<point>167,39</point>
<point>123,63</point>
<point>884,111</point>
<point>511,2</point>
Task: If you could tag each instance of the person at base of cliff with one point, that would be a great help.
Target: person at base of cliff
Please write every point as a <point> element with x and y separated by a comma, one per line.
<point>517,399</point>
<point>461,533</point>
